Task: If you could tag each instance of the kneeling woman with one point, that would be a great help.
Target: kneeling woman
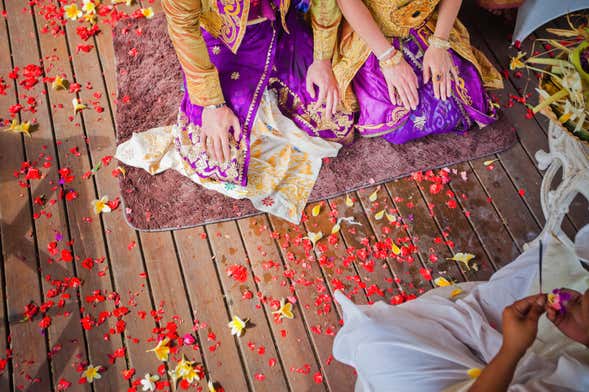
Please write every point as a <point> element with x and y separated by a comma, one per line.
<point>409,68</point>
<point>247,126</point>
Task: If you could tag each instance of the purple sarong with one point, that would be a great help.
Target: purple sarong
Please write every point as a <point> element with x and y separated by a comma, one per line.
<point>267,58</point>
<point>468,104</point>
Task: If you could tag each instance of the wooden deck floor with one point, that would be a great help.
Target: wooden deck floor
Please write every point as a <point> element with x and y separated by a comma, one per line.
<point>179,280</point>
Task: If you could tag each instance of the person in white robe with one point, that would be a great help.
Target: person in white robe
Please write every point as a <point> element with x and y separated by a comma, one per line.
<point>478,340</point>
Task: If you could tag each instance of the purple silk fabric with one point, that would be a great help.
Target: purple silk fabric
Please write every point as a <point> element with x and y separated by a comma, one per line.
<point>378,116</point>
<point>268,57</point>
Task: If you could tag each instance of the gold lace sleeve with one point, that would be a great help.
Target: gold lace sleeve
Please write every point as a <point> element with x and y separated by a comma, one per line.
<point>202,78</point>
<point>325,19</point>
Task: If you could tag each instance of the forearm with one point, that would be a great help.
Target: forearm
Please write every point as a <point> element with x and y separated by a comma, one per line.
<point>361,20</point>
<point>202,78</point>
<point>497,376</point>
<point>447,13</point>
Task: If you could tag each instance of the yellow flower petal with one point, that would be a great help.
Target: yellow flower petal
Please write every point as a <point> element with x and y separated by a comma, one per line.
<point>396,250</point>
<point>162,350</point>
<point>72,11</point>
<point>474,372</point>
<point>349,201</point>
<point>77,105</point>
<point>456,292</point>
<point>314,237</point>
<point>58,83</point>
<point>390,217</point>
<point>285,310</point>
<point>237,326</point>
<point>147,12</point>
<point>92,373</point>
<point>101,205</point>
<point>315,211</point>
<point>374,195</point>
<point>442,282</point>
<point>336,228</point>
<point>516,62</point>
<point>490,162</point>
<point>16,127</point>
<point>463,258</point>
<point>379,215</point>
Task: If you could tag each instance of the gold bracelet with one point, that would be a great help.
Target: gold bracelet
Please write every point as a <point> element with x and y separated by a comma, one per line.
<point>438,42</point>
<point>392,60</point>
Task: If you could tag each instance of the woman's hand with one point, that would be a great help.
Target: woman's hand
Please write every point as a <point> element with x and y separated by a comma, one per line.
<point>520,324</point>
<point>320,74</point>
<point>216,123</point>
<point>438,66</point>
<point>574,322</point>
<point>402,84</point>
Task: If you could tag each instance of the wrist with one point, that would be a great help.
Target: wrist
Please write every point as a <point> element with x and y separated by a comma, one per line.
<point>216,106</point>
<point>511,354</point>
<point>439,42</point>
<point>393,58</point>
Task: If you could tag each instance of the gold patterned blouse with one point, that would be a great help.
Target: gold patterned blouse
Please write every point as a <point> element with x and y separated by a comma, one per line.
<point>395,18</point>
<point>227,20</point>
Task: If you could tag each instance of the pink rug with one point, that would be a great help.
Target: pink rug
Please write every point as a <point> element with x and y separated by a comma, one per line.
<point>148,84</point>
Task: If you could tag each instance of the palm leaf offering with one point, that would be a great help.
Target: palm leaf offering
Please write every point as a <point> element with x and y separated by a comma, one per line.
<point>563,68</point>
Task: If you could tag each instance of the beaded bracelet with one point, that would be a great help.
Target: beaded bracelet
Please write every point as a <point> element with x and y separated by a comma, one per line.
<point>391,61</point>
<point>438,42</point>
<point>385,53</point>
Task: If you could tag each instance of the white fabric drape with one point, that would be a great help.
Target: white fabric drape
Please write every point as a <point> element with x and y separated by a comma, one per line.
<point>429,344</point>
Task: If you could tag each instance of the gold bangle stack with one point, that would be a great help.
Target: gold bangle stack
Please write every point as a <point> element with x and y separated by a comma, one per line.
<point>438,42</point>
<point>391,60</point>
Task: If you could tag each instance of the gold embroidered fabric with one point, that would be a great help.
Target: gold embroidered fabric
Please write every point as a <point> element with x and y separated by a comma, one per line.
<point>284,160</point>
<point>325,20</point>
<point>395,19</point>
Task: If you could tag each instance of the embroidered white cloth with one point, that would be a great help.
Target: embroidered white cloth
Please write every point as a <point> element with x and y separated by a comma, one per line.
<point>431,343</point>
<point>284,164</point>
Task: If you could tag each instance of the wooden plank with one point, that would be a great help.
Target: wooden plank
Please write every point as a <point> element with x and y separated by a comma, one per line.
<point>292,340</point>
<point>166,282</point>
<point>6,373</point>
<point>407,267</point>
<point>417,220</point>
<point>228,251</point>
<point>377,277</point>
<point>29,368</point>
<point>6,163</point>
<point>223,361</point>
<point>315,301</point>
